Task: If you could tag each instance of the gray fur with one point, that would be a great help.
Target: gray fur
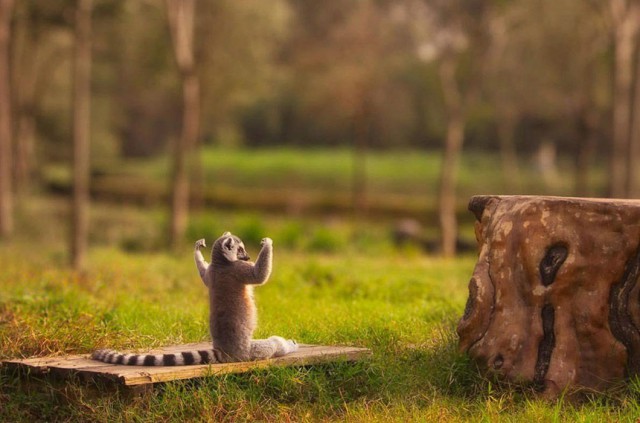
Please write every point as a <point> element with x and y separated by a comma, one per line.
<point>232,312</point>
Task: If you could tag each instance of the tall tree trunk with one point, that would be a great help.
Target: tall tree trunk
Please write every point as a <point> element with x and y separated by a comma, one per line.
<point>359,152</point>
<point>25,81</point>
<point>359,178</point>
<point>508,154</point>
<point>24,154</point>
<point>634,138</point>
<point>181,17</point>
<point>81,133</point>
<point>6,189</point>
<point>182,148</point>
<point>453,146</point>
<point>626,24</point>
<point>587,121</point>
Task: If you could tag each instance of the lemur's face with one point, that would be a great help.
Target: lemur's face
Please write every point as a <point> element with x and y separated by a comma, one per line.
<point>233,248</point>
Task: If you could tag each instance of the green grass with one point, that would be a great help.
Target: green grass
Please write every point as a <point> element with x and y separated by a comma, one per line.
<point>408,172</point>
<point>337,280</point>
<point>399,183</point>
<point>355,290</point>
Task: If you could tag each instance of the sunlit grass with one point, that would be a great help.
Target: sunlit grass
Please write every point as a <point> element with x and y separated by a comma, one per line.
<point>402,305</point>
<point>336,280</point>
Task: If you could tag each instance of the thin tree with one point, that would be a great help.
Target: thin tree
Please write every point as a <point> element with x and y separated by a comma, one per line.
<point>6,190</point>
<point>359,157</point>
<point>625,21</point>
<point>634,137</point>
<point>458,31</point>
<point>181,18</point>
<point>81,133</point>
<point>27,81</point>
<point>351,46</point>
<point>587,122</point>
<point>454,106</point>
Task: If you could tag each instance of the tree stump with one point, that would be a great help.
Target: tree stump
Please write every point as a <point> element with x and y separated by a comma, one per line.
<point>554,300</point>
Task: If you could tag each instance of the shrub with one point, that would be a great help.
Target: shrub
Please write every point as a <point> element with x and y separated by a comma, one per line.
<point>326,240</point>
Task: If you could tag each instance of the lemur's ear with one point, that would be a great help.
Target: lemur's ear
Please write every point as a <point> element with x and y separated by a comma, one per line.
<point>226,233</point>
<point>228,249</point>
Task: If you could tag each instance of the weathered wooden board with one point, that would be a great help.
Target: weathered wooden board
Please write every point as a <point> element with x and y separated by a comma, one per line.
<point>83,366</point>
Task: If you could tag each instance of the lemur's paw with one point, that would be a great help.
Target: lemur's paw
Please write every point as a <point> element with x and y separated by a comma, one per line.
<point>292,345</point>
<point>200,243</point>
<point>266,241</point>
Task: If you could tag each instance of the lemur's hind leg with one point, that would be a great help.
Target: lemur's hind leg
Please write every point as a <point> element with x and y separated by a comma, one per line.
<point>274,346</point>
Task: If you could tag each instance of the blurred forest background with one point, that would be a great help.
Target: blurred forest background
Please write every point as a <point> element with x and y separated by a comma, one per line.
<point>365,108</point>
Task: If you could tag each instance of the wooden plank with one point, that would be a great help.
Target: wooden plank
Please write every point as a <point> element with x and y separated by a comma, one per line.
<point>141,375</point>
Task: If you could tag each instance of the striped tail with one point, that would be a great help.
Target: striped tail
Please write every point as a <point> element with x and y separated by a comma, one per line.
<point>177,359</point>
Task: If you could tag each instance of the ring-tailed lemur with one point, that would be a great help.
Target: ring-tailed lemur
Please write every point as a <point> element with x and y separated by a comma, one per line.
<point>232,312</point>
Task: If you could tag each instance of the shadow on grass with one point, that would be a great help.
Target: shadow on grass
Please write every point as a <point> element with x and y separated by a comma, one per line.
<point>30,397</point>
<point>257,395</point>
<point>442,373</point>
<point>398,376</point>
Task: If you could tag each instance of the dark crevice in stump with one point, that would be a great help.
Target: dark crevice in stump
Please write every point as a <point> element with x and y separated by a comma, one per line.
<point>622,325</point>
<point>471,301</point>
<point>498,362</point>
<point>546,346</point>
<point>550,264</point>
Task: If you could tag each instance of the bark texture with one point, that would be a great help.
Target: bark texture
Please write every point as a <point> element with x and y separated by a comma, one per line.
<point>181,17</point>
<point>625,16</point>
<point>554,299</point>
<point>6,189</point>
<point>454,104</point>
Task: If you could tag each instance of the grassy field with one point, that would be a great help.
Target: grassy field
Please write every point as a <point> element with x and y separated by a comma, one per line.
<point>319,181</point>
<point>332,284</point>
<point>337,280</point>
